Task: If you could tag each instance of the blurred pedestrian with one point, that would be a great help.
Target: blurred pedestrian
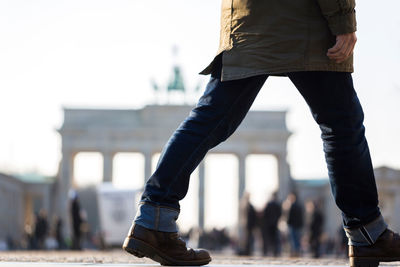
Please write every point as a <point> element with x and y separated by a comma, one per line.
<point>295,223</point>
<point>41,229</point>
<point>58,232</point>
<point>269,226</point>
<point>248,224</point>
<point>11,245</point>
<point>28,241</point>
<point>316,229</point>
<point>76,222</point>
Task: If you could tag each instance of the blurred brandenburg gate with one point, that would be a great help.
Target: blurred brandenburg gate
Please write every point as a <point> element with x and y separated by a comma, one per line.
<point>146,131</point>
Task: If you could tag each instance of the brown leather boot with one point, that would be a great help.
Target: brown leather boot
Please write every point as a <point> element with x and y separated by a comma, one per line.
<point>163,247</point>
<point>386,248</point>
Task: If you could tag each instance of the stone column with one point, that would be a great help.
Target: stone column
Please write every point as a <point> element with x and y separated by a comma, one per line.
<point>46,199</point>
<point>201,194</point>
<point>64,185</point>
<point>107,166</point>
<point>242,174</point>
<point>241,190</point>
<point>284,179</point>
<point>147,165</point>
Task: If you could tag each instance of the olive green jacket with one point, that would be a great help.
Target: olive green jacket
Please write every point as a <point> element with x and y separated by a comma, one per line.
<point>280,36</point>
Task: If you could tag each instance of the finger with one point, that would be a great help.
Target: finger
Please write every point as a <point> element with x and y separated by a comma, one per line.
<point>337,46</point>
<point>339,52</point>
<point>347,50</point>
<point>338,55</point>
<point>343,52</point>
<point>338,58</point>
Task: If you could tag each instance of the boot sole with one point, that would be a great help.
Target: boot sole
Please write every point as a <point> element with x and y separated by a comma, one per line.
<point>370,261</point>
<point>141,249</point>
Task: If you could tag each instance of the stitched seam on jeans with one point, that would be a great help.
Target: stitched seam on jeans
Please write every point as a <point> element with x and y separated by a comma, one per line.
<point>204,141</point>
<point>366,235</point>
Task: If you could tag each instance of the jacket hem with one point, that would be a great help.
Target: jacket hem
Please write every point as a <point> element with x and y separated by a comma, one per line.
<point>227,75</point>
<point>209,68</point>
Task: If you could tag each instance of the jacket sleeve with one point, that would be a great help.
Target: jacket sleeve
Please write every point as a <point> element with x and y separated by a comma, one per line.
<point>340,14</point>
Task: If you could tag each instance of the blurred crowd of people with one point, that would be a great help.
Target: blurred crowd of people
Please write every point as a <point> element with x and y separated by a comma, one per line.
<point>48,233</point>
<point>291,227</point>
<point>288,228</point>
<point>281,228</point>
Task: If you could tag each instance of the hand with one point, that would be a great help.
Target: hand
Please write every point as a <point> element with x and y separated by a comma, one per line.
<point>343,48</point>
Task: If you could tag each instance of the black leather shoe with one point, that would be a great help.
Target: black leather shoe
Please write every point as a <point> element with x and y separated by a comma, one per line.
<point>163,247</point>
<point>385,249</point>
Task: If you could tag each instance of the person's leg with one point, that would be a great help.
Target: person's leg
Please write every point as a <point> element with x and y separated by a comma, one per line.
<point>265,239</point>
<point>314,244</point>
<point>217,115</point>
<point>335,107</point>
<point>297,235</point>
<point>274,233</point>
<point>294,241</point>
<point>248,243</point>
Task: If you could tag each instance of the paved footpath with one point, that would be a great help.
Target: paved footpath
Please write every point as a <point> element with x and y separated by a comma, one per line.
<point>118,258</point>
<point>42,264</point>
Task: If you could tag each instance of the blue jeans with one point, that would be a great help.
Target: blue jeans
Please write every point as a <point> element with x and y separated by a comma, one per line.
<point>334,106</point>
<point>295,239</point>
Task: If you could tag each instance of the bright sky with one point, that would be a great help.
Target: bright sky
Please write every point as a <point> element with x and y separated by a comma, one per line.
<point>103,53</point>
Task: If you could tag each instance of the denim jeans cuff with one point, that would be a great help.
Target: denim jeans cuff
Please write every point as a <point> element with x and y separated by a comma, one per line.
<point>366,235</point>
<point>157,218</point>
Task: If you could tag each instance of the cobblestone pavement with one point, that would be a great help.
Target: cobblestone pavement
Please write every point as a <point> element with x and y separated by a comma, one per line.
<point>118,258</point>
